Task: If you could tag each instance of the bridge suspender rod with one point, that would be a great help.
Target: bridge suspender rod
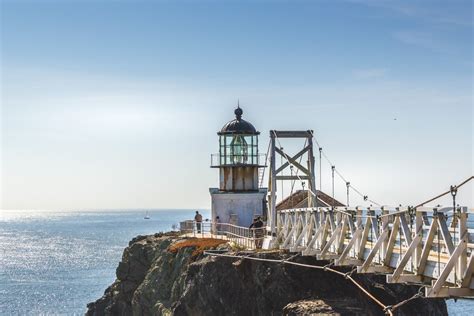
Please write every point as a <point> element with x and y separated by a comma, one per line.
<point>332,170</point>
<point>348,185</point>
<point>281,182</point>
<point>320,170</point>
<point>454,191</point>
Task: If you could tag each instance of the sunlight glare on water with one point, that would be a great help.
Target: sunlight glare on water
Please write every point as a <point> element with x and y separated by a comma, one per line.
<point>57,262</point>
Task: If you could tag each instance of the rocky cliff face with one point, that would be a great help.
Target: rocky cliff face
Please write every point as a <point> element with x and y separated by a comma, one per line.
<point>166,275</point>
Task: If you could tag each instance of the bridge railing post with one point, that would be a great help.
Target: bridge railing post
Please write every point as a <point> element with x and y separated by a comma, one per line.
<point>385,222</point>
<point>463,237</point>
<point>272,186</point>
<point>419,221</point>
<point>358,225</point>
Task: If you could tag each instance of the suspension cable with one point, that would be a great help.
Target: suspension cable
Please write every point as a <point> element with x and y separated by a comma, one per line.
<point>266,161</point>
<point>444,193</point>
<point>348,276</point>
<point>323,154</point>
<point>365,197</point>
<point>419,294</point>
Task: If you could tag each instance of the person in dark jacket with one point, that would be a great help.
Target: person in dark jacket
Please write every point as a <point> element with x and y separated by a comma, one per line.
<point>257,229</point>
<point>198,220</point>
<point>216,226</point>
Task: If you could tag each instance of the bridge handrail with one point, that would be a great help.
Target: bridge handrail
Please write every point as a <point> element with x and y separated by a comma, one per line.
<point>387,210</point>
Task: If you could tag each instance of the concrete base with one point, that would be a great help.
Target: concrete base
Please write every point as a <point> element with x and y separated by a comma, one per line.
<point>237,208</point>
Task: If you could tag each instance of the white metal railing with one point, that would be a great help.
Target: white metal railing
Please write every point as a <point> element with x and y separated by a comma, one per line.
<point>250,238</point>
<point>430,246</point>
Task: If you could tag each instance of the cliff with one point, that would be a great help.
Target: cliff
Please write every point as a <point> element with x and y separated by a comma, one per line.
<point>168,275</point>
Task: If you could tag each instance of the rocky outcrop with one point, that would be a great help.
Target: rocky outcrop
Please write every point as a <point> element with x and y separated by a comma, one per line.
<point>167,275</point>
<point>346,306</point>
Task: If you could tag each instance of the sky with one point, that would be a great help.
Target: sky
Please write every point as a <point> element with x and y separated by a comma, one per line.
<point>116,104</point>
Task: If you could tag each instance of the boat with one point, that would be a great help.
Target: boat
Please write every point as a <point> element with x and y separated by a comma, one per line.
<point>146,216</point>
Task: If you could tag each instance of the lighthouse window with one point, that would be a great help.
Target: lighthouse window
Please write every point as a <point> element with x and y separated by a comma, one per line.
<point>239,149</point>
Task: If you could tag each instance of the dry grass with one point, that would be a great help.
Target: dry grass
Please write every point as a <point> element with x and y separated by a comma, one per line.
<point>200,244</point>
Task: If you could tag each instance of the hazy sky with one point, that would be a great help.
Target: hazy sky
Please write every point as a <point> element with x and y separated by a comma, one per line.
<point>116,104</point>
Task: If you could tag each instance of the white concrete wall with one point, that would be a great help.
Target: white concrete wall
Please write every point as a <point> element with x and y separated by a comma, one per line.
<point>244,205</point>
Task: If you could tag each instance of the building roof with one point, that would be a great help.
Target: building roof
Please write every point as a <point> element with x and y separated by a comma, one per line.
<point>238,125</point>
<point>299,199</point>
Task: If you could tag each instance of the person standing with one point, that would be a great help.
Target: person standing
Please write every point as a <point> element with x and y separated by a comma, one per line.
<point>198,220</point>
<point>257,229</point>
<point>216,226</point>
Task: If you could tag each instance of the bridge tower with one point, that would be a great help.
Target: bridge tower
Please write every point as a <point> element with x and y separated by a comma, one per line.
<point>238,198</point>
<point>307,173</point>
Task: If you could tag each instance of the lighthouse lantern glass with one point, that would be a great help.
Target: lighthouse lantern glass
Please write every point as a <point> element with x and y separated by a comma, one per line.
<point>238,149</point>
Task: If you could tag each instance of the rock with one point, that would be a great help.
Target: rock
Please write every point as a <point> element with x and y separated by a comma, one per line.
<point>122,270</point>
<point>151,280</point>
<point>347,307</point>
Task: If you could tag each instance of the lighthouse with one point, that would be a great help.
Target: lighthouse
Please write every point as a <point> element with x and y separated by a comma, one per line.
<point>238,199</point>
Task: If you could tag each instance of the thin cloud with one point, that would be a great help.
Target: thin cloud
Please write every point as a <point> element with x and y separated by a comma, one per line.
<point>447,14</point>
<point>421,39</point>
<point>370,73</point>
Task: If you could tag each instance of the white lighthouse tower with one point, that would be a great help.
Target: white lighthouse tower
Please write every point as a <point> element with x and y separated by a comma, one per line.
<point>238,198</point>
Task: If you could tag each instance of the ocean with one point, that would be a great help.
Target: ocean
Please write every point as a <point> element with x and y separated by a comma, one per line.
<point>54,263</point>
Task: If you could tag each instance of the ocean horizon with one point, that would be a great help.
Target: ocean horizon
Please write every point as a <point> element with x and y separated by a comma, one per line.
<point>55,262</point>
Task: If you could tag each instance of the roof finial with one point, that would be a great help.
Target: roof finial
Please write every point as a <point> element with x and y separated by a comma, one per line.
<point>238,111</point>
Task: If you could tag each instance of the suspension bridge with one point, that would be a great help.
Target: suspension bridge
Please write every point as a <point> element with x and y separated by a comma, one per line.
<point>428,246</point>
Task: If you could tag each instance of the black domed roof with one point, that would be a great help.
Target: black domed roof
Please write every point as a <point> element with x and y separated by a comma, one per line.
<point>238,126</point>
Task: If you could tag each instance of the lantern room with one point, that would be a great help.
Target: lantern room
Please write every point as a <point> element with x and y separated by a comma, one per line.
<point>238,157</point>
<point>238,142</point>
